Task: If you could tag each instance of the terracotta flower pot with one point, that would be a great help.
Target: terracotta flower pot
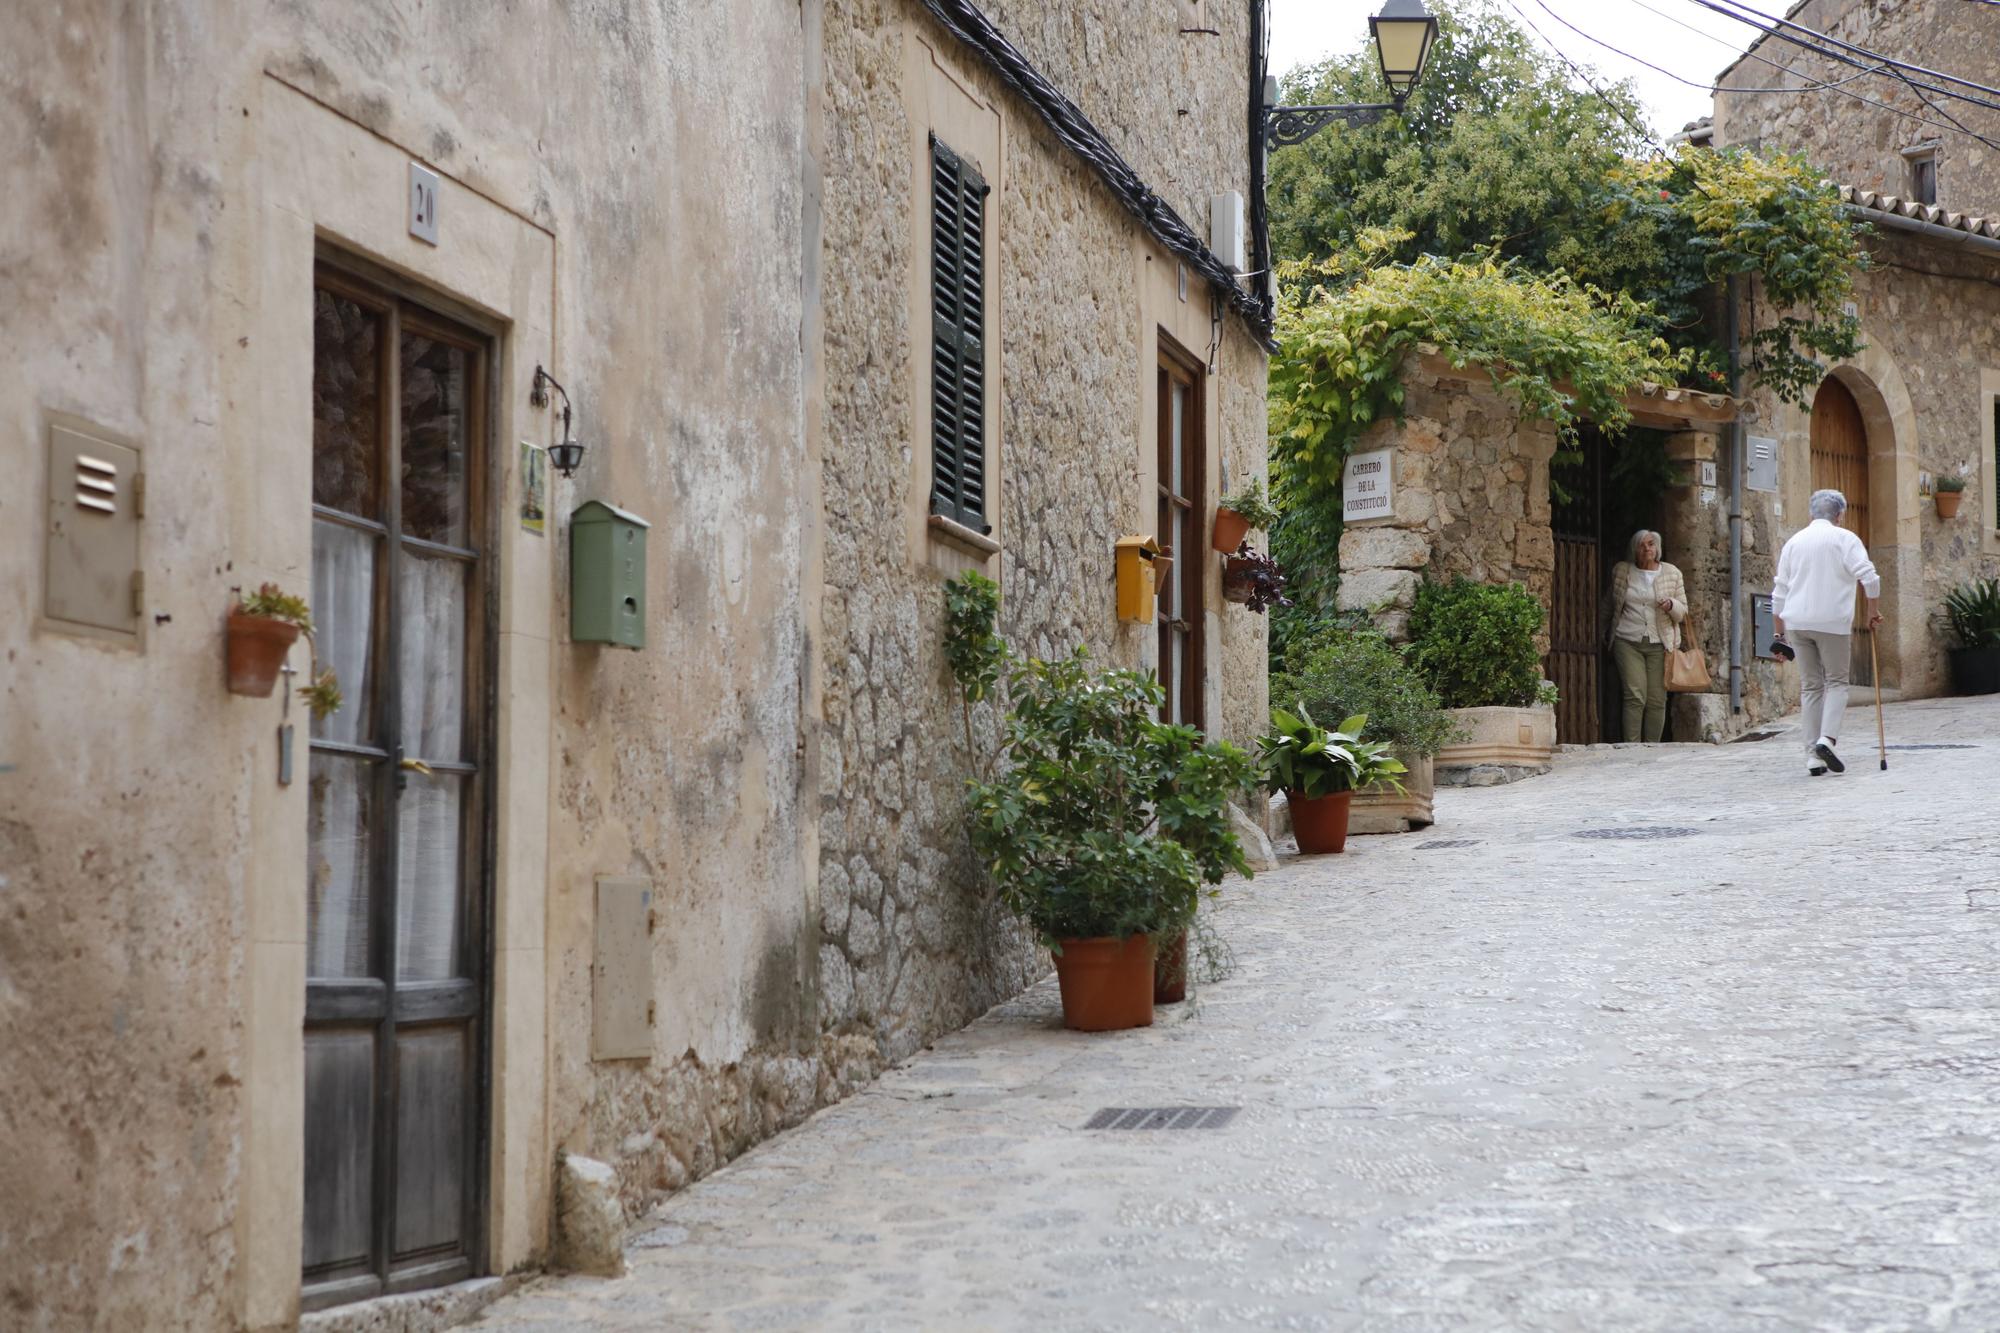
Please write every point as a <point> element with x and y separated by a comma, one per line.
<point>1236,586</point>
<point>257,648</point>
<point>1230,530</point>
<point>1320,822</point>
<point>1170,972</point>
<point>1107,984</point>
<point>1948,502</point>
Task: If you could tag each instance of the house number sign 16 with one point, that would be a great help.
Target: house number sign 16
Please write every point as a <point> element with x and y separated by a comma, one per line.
<point>423,203</point>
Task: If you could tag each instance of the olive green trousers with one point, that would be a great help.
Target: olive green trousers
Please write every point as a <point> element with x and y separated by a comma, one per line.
<point>1642,679</point>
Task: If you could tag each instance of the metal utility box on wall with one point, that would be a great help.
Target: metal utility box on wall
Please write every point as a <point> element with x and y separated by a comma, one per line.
<point>607,576</point>
<point>1760,463</point>
<point>621,971</point>
<point>1762,628</point>
<point>95,501</point>
<point>1137,578</point>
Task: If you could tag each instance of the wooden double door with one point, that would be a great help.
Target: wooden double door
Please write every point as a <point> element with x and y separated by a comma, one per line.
<point>396,912</point>
<point>1840,463</point>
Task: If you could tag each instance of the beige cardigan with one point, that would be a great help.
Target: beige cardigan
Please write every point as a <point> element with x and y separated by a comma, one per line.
<point>1670,586</point>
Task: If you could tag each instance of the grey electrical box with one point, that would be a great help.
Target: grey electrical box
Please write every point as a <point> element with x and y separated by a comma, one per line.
<point>607,576</point>
<point>1761,627</point>
<point>1760,463</point>
<point>96,499</point>
<point>621,971</point>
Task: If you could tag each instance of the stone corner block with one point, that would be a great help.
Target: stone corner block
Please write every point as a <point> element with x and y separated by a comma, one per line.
<point>1256,843</point>
<point>1383,548</point>
<point>1383,589</point>
<point>590,1222</point>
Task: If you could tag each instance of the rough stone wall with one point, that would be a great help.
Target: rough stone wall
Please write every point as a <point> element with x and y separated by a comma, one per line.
<point>910,944</point>
<point>1471,496</point>
<point>1857,143</point>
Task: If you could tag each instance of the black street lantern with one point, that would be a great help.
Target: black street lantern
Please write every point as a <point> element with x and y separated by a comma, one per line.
<point>568,455</point>
<point>1404,32</point>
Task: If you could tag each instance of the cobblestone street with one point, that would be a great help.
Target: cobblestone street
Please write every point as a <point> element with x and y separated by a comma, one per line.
<point>1504,1074</point>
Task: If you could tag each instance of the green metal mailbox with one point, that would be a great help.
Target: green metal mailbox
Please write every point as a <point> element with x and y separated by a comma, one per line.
<point>607,576</point>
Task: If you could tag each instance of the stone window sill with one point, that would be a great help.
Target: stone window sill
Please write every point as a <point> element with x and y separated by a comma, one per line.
<point>957,534</point>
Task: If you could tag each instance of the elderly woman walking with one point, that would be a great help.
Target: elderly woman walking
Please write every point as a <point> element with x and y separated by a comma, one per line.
<point>1645,607</point>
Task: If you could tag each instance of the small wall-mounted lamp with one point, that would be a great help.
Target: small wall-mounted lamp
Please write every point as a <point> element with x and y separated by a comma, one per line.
<point>569,454</point>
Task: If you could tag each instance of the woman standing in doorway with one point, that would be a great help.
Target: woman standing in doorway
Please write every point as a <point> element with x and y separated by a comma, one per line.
<point>1647,602</point>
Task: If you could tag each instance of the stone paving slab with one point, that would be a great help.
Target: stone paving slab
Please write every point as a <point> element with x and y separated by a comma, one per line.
<point>1747,1078</point>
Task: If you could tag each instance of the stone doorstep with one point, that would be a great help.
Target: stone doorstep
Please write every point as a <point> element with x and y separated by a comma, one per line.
<point>416,1311</point>
<point>1489,775</point>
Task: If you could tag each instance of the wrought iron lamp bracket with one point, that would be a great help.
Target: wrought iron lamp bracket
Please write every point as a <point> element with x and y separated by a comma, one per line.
<point>1295,124</point>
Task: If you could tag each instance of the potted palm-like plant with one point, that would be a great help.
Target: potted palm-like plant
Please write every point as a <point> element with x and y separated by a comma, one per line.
<point>1237,513</point>
<point>1320,770</point>
<point>1974,613</point>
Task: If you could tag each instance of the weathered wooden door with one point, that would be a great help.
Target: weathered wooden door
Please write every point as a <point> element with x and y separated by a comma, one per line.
<point>1576,647</point>
<point>396,888</point>
<point>1840,463</point>
<point>1184,531</point>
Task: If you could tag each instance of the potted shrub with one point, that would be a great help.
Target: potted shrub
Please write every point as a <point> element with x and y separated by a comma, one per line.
<point>1253,579</point>
<point>1948,492</point>
<point>1343,671</point>
<point>1974,613</point>
<point>1319,771</point>
<point>1474,644</point>
<point>1102,826</point>
<point>1236,514</point>
<point>263,626</point>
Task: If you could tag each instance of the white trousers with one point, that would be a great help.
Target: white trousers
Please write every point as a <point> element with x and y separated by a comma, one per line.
<point>1823,664</point>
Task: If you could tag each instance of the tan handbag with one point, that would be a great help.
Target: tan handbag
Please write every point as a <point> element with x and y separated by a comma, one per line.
<point>1687,668</point>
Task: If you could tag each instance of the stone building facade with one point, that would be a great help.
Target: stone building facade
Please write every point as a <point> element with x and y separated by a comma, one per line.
<point>710,225</point>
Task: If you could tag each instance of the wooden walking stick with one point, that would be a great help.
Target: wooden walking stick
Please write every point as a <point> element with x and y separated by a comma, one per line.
<point>1881,734</point>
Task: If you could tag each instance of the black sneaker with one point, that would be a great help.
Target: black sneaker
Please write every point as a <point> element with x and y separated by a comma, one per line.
<point>1816,770</point>
<point>1825,751</point>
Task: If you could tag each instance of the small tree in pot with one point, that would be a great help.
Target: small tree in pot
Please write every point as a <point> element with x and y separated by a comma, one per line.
<point>1319,771</point>
<point>1103,827</point>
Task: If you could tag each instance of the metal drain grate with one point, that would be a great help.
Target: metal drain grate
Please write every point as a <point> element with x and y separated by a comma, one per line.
<point>1163,1117</point>
<point>1934,747</point>
<point>1442,843</point>
<point>1639,833</point>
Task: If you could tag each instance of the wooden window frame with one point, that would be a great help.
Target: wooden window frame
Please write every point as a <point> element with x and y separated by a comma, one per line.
<point>1176,365</point>
<point>960,376</point>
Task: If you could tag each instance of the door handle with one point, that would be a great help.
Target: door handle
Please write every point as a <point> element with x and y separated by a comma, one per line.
<point>415,766</point>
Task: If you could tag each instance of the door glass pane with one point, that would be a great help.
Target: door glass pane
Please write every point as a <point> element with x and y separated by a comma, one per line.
<point>343,610</point>
<point>347,406</point>
<point>432,613</point>
<point>1179,483</point>
<point>428,821</point>
<point>1183,556</point>
<point>340,836</point>
<point>435,400</point>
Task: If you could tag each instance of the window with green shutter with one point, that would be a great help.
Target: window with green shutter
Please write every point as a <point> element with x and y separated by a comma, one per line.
<point>958,348</point>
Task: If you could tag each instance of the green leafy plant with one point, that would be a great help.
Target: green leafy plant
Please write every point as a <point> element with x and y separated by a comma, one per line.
<point>321,693</point>
<point>1474,643</point>
<point>1101,820</point>
<point>1343,671</point>
<point>1304,759</point>
<point>1973,610</point>
<point>1249,503</point>
<point>1948,483</point>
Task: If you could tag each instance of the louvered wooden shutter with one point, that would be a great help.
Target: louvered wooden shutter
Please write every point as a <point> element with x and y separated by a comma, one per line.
<point>958,351</point>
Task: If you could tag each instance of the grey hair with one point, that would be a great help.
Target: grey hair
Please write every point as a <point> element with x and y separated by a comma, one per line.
<point>1632,547</point>
<point>1829,505</point>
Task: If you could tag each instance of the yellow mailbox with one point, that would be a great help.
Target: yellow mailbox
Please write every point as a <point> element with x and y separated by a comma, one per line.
<point>1139,562</point>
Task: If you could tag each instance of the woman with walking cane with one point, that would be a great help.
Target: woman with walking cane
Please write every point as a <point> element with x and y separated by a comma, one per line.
<point>1813,597</point>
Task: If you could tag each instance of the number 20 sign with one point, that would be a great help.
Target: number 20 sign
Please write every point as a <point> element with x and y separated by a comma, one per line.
<point>423,203</point>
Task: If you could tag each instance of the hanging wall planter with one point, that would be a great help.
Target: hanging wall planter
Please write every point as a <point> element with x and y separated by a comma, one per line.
<point>258,646</point>
<point>1237,514</point>
<point>1950,493</point>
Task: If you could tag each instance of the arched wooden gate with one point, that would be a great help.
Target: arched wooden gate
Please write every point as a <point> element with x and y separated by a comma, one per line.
<point>1840,463</point>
